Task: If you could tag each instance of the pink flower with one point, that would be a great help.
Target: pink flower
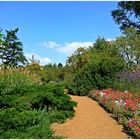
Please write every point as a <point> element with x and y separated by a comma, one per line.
<point>131,123</point>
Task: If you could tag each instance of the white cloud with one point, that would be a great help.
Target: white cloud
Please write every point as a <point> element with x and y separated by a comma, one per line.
<point>66,48</point>
<point>42,60</point>
<point>69,48</point>
<point>109,39</point>
<point>49,44</point>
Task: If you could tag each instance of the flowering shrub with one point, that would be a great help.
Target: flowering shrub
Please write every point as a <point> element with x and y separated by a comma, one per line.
<point>124,106</point>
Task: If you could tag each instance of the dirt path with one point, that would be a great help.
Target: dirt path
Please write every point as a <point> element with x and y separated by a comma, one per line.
<point>90,122</point>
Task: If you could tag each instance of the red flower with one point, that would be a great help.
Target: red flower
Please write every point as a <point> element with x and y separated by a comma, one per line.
<point>136,130</point>
<point>130,104</point>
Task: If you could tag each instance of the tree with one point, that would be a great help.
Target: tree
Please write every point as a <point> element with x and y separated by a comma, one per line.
<point>127,14</point>
<point>60,65</point>
<point>83,56</point>
<point>129,46</point>
<point>33,59</point>
<point>36,69</point>
<point>103,46</point>
<point>51,72</point>
<point>78,59</point>
<point>101,70</point>
<point>11,51</point>
<point>1,38</point>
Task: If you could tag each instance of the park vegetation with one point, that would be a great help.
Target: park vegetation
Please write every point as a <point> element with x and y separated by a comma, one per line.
<point>29,101</point>
<point>32,97</point>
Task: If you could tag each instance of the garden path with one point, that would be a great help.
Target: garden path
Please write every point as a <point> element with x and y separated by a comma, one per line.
<point>90,122</point>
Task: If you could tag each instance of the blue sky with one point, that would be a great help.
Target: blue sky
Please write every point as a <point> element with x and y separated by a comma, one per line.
<point>54,30</point>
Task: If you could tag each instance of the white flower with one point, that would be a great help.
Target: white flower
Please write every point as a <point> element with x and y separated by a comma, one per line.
<point>126,91</point>
<point>101,93</point>
<point>117,102</point>
<point>120,102</point>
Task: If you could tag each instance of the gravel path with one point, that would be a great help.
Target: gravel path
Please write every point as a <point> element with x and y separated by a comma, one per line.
<point>90,122</point>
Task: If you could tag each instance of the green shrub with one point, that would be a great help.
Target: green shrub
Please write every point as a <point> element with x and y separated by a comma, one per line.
<point>27,109</point>
<point>52,97</point>
<point>98,74</point>
<point>60,116</point>
<point>25,124</point>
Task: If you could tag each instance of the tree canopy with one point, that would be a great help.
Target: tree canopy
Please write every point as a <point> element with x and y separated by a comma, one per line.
<point>11,51</point>
<point>100,71</point>
<point>128,45</point>
<point>127,14</point>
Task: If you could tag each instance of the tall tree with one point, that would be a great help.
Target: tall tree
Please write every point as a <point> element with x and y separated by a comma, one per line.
<point>127,14</point>
<point>11,51</point>
<point>129,46</point>
<point>1,38</point>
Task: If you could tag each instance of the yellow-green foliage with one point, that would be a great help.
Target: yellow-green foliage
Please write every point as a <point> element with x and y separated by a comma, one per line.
<point>37,70</point>
<point>16,78</point>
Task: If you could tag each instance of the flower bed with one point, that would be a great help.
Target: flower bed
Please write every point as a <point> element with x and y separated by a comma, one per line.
<point>124,106</point>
